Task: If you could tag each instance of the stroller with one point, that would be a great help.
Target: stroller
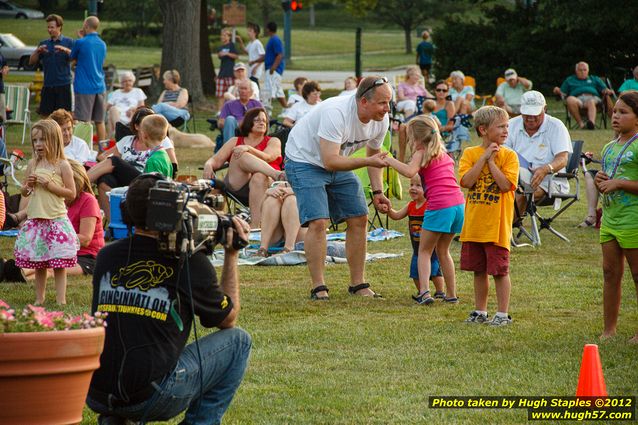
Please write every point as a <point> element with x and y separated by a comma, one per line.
<point>8,165</point>
<point>459,134</point>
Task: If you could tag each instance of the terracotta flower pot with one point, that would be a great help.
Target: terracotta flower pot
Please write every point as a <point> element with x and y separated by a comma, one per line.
<point>45,376</point>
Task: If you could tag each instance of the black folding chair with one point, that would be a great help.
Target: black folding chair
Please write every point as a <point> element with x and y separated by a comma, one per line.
<point>537,221</point>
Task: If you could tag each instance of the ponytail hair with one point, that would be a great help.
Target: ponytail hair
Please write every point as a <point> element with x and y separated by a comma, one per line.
<point>425,131</point>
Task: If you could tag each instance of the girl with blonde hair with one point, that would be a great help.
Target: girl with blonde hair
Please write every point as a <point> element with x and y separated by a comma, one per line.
<point>47,239</point>
<point>444,214</point>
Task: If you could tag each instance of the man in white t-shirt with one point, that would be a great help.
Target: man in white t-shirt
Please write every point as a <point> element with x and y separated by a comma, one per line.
<point>319,170</point>
<point>256,52</point>
<point>543,145</point>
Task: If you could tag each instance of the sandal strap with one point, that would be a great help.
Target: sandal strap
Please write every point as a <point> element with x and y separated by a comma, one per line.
<point>319,289</point>
<point>356,288</point>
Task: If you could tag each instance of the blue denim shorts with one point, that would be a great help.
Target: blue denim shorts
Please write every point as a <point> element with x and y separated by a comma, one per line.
<point>435,267</point>
<point>446,220</point>
<point>337,195</point>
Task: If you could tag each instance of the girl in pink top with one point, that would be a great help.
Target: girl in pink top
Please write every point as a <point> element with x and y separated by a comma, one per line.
<point>444,215</point>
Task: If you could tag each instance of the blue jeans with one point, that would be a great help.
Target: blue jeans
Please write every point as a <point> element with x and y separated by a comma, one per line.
<point>325,194</point>
<point>230,126</point>
<point>224,357</point>
<point>170,112</point>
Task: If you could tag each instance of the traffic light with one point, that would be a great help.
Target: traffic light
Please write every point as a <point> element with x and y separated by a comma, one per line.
<point>292,5</point>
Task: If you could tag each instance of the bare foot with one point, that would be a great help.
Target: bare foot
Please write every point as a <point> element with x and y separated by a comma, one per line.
<point>607,335</point>
<point>634,340</point>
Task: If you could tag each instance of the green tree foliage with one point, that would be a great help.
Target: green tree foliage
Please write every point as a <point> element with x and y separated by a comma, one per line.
<point>407,14</point>
<point>541,40</point>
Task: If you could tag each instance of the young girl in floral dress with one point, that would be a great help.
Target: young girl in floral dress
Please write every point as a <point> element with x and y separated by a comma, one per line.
<point>47,239</point>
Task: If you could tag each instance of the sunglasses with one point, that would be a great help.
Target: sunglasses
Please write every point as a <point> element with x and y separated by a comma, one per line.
<point>441,90</point>
<point>378,82</point>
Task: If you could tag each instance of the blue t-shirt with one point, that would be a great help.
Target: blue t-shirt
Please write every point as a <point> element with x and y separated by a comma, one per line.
<point>273,48</point>
<point>56,65</point>
<point>90,52</point>
<point>425,49</point>
<point>2,64</point>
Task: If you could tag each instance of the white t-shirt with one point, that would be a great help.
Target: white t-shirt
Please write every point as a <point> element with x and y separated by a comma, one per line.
<point>334,120</point>
<point>77,150</point>
<point>125,101</point>
<point>255,50</point>
<point>534,151</point>
<point>136,158</point>
<point>234,90</point>
<point>348,92</point>
<point>294,98</point>
<point>298,110</point>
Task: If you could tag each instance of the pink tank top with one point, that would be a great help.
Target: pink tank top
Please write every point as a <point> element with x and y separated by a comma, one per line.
<point>440,185</point>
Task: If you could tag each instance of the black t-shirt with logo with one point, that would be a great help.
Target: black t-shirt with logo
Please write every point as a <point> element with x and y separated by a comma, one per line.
<point>146,297</point>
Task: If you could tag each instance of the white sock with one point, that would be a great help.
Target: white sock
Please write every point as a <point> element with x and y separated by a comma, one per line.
<point>482,313</point>
<point>501,314</point>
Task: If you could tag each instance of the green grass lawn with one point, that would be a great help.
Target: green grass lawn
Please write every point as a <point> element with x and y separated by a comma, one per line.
<point>311,49</point>
<point>363,361</point>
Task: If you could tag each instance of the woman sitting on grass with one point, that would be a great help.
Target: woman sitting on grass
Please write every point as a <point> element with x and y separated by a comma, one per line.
<point>254,162</point>
<point>280,220</point>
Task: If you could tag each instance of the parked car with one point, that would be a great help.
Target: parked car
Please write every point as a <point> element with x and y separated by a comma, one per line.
<point>16,52</point>
<point>10,10</point>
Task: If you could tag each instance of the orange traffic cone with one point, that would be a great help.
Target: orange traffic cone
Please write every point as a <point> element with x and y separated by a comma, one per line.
<point>591,382</point>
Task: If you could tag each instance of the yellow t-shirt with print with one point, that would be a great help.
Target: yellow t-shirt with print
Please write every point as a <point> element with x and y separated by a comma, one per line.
<point>488,211</point>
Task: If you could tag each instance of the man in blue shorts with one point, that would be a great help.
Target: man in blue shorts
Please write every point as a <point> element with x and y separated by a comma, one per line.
<point>53,55</point>
<point>88,86</point>
<point>319,170</point>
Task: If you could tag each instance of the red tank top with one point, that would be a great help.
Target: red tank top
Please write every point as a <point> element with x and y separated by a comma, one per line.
<point>276,164</point>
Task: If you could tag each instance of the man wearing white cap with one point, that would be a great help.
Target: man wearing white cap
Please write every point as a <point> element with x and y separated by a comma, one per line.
<point>509,93</point>
<point>239,73</point>
<point>542,143</point>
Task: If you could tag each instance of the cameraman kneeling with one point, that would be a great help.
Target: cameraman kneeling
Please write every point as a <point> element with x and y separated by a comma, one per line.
<point>147,372</point>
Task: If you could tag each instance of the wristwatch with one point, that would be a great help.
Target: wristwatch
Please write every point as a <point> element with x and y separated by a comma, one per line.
<point>377,192</point>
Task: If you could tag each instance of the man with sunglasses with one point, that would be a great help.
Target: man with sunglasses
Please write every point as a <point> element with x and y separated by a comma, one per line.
<point>319,169</point>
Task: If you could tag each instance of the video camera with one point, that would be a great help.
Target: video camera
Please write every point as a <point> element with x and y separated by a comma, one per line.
<point>188,217</point>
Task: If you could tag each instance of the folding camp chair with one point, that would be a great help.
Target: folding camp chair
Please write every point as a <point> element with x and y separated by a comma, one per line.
<point>185,125</point>
<point>391,184</point>
<point>17,100</point>
<point>538,222</point>
<point>603,109</point>
<point>84,131</point>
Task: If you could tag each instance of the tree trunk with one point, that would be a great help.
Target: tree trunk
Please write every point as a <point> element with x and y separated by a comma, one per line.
<point>207,68</point>
<point>408,39</point>
<point>181,43</point>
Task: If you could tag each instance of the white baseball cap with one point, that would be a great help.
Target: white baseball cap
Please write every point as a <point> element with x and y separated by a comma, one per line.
<point>511,74</point>
<point>532,103</point>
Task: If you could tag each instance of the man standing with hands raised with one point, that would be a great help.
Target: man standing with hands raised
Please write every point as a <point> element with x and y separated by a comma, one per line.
<point>319,169</point>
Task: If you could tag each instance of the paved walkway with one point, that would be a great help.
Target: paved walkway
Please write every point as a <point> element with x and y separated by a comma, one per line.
<point>333,79</point>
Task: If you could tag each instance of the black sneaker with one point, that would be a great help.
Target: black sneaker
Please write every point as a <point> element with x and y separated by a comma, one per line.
<point>590,125</point>
<point>476,317</point>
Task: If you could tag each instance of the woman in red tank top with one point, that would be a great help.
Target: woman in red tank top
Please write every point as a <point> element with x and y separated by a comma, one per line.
<point>254,162</point>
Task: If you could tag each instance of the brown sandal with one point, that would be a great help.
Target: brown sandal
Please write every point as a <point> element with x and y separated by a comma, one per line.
<point>262,252</point>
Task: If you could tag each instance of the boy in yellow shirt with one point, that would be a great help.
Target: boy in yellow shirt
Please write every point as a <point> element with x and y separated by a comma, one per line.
<point>490,173</point>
